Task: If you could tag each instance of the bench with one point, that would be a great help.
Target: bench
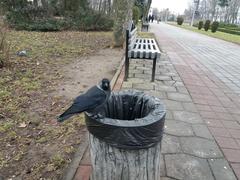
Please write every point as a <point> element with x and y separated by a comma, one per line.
<point>140,48</point>
<point>145,25</point>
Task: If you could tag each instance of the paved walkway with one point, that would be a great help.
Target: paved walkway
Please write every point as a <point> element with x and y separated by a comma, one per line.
<point>210,70</point>
<point>202,130</point>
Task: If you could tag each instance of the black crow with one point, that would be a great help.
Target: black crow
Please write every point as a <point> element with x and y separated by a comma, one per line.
<point>94,98</point>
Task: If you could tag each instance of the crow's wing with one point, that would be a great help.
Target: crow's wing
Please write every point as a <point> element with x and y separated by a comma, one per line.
<point>90,100</point>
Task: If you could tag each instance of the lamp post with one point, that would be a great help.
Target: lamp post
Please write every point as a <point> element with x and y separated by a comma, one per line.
<point>195,8</point>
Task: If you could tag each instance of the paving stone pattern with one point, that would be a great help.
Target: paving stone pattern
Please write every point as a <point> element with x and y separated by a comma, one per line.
<point>189,150</point>
<point>198,79</point>
<point>210,71</point>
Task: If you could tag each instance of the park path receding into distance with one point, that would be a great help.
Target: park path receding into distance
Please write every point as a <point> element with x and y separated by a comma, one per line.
<point>210,70</point>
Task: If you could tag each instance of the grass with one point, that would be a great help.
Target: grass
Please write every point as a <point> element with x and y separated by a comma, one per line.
<point>144,34</point>
<point>31,145</point>
<point>220,35</point>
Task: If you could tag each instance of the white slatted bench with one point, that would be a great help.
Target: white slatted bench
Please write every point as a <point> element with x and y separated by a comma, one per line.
<point>140,48</point>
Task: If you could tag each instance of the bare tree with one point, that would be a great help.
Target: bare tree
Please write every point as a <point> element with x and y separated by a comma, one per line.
<point>122,15</point>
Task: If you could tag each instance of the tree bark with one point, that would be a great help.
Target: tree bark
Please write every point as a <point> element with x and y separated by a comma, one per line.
<point>122,15</point>
<point>110,163</point>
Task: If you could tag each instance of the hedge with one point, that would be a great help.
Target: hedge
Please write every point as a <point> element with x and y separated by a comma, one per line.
<point>229,31</point>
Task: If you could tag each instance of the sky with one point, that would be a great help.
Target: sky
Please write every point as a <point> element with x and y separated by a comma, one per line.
<point>176,6</point>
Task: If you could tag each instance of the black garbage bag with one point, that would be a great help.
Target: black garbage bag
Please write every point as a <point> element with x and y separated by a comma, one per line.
<point>129,120</point>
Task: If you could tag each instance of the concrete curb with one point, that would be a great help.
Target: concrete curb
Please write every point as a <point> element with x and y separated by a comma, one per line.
<point>72,168</point>
<point>70,172</point>
<point>115,77</point>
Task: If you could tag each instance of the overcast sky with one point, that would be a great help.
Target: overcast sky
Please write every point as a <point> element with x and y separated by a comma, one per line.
<point>177,6</point>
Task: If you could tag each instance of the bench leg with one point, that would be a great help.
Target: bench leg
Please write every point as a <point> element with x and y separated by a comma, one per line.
<point>126,68</point>
<point>154,69</point>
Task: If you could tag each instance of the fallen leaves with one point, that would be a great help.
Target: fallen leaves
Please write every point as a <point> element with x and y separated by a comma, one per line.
<point>22,125</point>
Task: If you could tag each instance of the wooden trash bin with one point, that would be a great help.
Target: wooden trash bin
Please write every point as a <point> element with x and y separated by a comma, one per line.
<point>125,137</point>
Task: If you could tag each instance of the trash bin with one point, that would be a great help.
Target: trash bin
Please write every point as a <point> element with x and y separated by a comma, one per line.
<point>125,137</point>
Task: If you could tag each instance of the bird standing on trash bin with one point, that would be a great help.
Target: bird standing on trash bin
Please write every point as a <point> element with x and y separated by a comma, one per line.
<point>94,98</point>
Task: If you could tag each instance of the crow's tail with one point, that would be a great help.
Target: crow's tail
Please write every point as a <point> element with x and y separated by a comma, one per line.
<point>71,111</point>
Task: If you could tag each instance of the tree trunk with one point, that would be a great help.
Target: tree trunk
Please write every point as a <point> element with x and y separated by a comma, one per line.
<point>122,15</point>
<point>109,6</point>
<point>35,3</point>
<point>44,4</point>
<point>110,163</point>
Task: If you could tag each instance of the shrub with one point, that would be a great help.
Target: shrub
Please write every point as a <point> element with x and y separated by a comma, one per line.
<point>224,25</point>
<point>214,26</point>
<point>180,20</point>
<point>4,48</point>
<point>200,25</point>
<point>207,25</point>
<point>136,14</point>
<point>229,31</point>
<point>89,20</point>
<point>35,19</point>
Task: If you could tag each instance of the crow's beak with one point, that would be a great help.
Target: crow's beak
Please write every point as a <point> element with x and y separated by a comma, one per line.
<point>105,86</point>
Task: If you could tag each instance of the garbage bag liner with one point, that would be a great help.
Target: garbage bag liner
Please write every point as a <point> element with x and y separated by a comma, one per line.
<point>130,119</point>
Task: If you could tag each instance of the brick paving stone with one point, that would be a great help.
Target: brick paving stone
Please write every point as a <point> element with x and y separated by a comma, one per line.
<point>213,122</point>
<point>136,80</point>
<point>221,169</point>
<point>170,144</point>
<point>231,124</point>
<point>162,166</point>
<point>163,78</point>
<point>232,155</point>
<point>179,97</point>
<point>179,84</point>
<point>200,147</point>
<point>225,116</point>
<point>86,160</point>
<point>201,107</point>
<point>202,131</point>
<point>235,133</point>
<point>208,114</point>
<point>127,85</point>
<point>238,141</point>
<point>217,109</point>
<point>141,76</point>
<point>145,86</point>
<point>173,105</point>
<point>166,178</point>
<point>188,117</point>
<point>135,71</point>
<point>200,101</point>
<point>169,115</point>
<point>189,107</point>
<point>158,94</point>
<point>165,88</point>
<point>222,132</point>
<point>236,168</point>
<point>226,142</point>
<point>186,167</point>
<point>235,110</point>
<point>182,90</point>
<point>213,74</point>
<point>178,128</point>
<point>169,83</point>
<point>236,117</point>
<point>83,173</point>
